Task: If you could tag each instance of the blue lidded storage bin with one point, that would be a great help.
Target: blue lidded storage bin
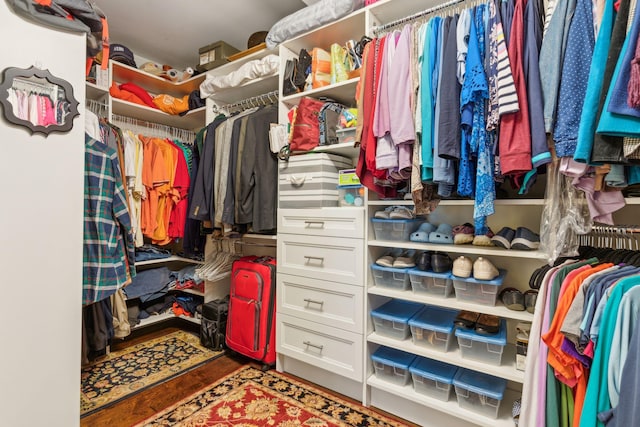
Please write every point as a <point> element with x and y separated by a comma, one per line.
<point>481,347</point>
<point>392,318</point>
<point>395,229</point>
<point>478,392</point>
<point>431,283</point>
<point>478,291</point>
<point>391,278</point>
<point>432,378</point>
<point>433,328</point>
<point>392,365</point>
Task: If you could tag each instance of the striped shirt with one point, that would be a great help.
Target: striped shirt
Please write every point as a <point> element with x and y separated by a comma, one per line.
<point>108,252</point>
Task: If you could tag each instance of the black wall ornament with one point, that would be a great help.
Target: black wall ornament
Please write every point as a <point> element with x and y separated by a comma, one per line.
<point>55,109</point>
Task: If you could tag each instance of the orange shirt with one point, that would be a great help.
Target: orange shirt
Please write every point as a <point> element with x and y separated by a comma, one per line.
<point>154,175</point>
<point>166,192</point>
<point>567,369</point>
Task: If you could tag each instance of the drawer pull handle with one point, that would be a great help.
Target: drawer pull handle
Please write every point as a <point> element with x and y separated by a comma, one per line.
<point>319,223</point>
<point>310,301</point>
<point>310,344</point>
<point>318,258</point>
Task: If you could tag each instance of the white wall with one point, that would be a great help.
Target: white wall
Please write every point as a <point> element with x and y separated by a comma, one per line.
<point>41,242</point>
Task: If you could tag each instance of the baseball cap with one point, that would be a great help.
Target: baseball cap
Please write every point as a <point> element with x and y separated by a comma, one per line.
<point>123,54</point>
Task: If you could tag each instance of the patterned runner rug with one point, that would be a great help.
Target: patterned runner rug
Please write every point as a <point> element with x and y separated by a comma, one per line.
<point>250,397</point>
<point>121,374</point>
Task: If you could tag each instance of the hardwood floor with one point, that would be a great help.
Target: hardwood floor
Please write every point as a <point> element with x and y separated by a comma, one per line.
<point>148,402</point>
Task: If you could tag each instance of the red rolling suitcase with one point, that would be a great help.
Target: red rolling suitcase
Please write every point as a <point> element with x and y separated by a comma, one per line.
<point>252,308</point>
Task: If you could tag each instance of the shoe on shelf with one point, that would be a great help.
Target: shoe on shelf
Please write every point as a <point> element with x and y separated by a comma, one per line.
<point>504,237</point>
<point>384,213</point>
<point>483,239</point>
<point>525,240</point>
<point>423,261</point>
<point>405,260</point>
<point>401,212</point>
<point>530,298</point>
<point>483,269</point>
<point>512,298</point>
<point>488,324</point>
<point>462,267</point>
<point>422,234</point>
<point>440,262</point>
<point>389,257</point>
<point>443,234</point>
<point>463,234</point>
<point>466,319</point>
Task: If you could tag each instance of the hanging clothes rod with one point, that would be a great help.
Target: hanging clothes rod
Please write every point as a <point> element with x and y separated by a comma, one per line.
<point>254,101</point>
<point>97,107</point>
<point>418,15</point>
<point>153,129</point>
<point>612,236</point>
<point>34,86</point>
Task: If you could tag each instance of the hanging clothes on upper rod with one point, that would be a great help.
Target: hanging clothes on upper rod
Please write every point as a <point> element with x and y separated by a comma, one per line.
<point>254,101</point>
<point>379,29</point>
<point>153,129</point>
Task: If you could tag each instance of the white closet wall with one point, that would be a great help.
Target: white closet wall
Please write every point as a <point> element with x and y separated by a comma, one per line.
<point>41,222</point>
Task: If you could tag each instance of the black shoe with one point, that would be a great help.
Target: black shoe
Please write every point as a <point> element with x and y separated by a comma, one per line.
<point>441,262</point>
<point>423,261</point>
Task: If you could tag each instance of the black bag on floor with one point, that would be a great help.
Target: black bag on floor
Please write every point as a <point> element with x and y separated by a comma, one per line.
<point>214,323</point>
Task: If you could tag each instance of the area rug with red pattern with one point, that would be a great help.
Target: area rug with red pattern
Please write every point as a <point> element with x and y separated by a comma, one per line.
<point>250,397</point>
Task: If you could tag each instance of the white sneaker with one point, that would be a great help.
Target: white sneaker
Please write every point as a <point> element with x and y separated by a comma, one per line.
<point>483,269</point>
<point>462,267</point>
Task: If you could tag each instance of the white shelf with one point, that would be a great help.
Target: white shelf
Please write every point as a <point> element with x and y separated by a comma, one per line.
<point>156,85</point>
<point>343,92</point>
<point>451,407</point>
<point>460,249</point>
<point>462,202</point>
<point>386,11</point>
<point>350,27</point>
<point>157,318</point>
<point>232,66</point>
<point>250,89</point>
<point>172,258</point>
<point>632,200</point>
<point>260,236</point>
<point>506,370</point>
<point>194,119</point>
<point>345,149</point>
<point>451,302</point>
<point>93,91</point>
<point>188,291</point>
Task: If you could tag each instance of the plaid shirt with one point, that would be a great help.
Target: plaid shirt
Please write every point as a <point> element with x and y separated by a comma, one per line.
<point>108,253</point>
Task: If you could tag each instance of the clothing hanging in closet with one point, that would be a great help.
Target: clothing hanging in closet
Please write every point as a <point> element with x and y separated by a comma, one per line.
<point>236,182</point>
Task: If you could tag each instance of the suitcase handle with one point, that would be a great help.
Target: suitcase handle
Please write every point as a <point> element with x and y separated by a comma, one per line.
<point>310,344</point>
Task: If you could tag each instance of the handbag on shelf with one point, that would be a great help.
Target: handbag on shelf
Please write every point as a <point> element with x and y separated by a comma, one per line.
<point>305,133</point>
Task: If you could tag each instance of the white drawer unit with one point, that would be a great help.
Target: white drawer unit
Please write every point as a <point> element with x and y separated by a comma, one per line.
<point>334,350</point>
<point>329,303</point>
<point>328,258</point>
<point>336,222</point>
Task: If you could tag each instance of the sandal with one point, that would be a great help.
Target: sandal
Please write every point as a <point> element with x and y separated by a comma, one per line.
<point>389,258</point>
<point>488,324</point>
<point>405,260</point>
<point>513,299</point>
<point>422,234</point>
<point>466,319</point>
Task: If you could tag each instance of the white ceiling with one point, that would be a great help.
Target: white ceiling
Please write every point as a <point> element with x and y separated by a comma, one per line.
<point>171,32</point>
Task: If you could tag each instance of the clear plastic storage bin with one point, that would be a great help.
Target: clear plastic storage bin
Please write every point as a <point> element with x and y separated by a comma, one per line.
<point>432,378</point>
<point>478,392</point>
<point>392,365</point>
<point>392,318</point>
<point>431,283</point>
<point>391,278</point>
<point>433,328</point>
<point>395,229</point>
<point>483,292</point>
<point>484,348</point>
